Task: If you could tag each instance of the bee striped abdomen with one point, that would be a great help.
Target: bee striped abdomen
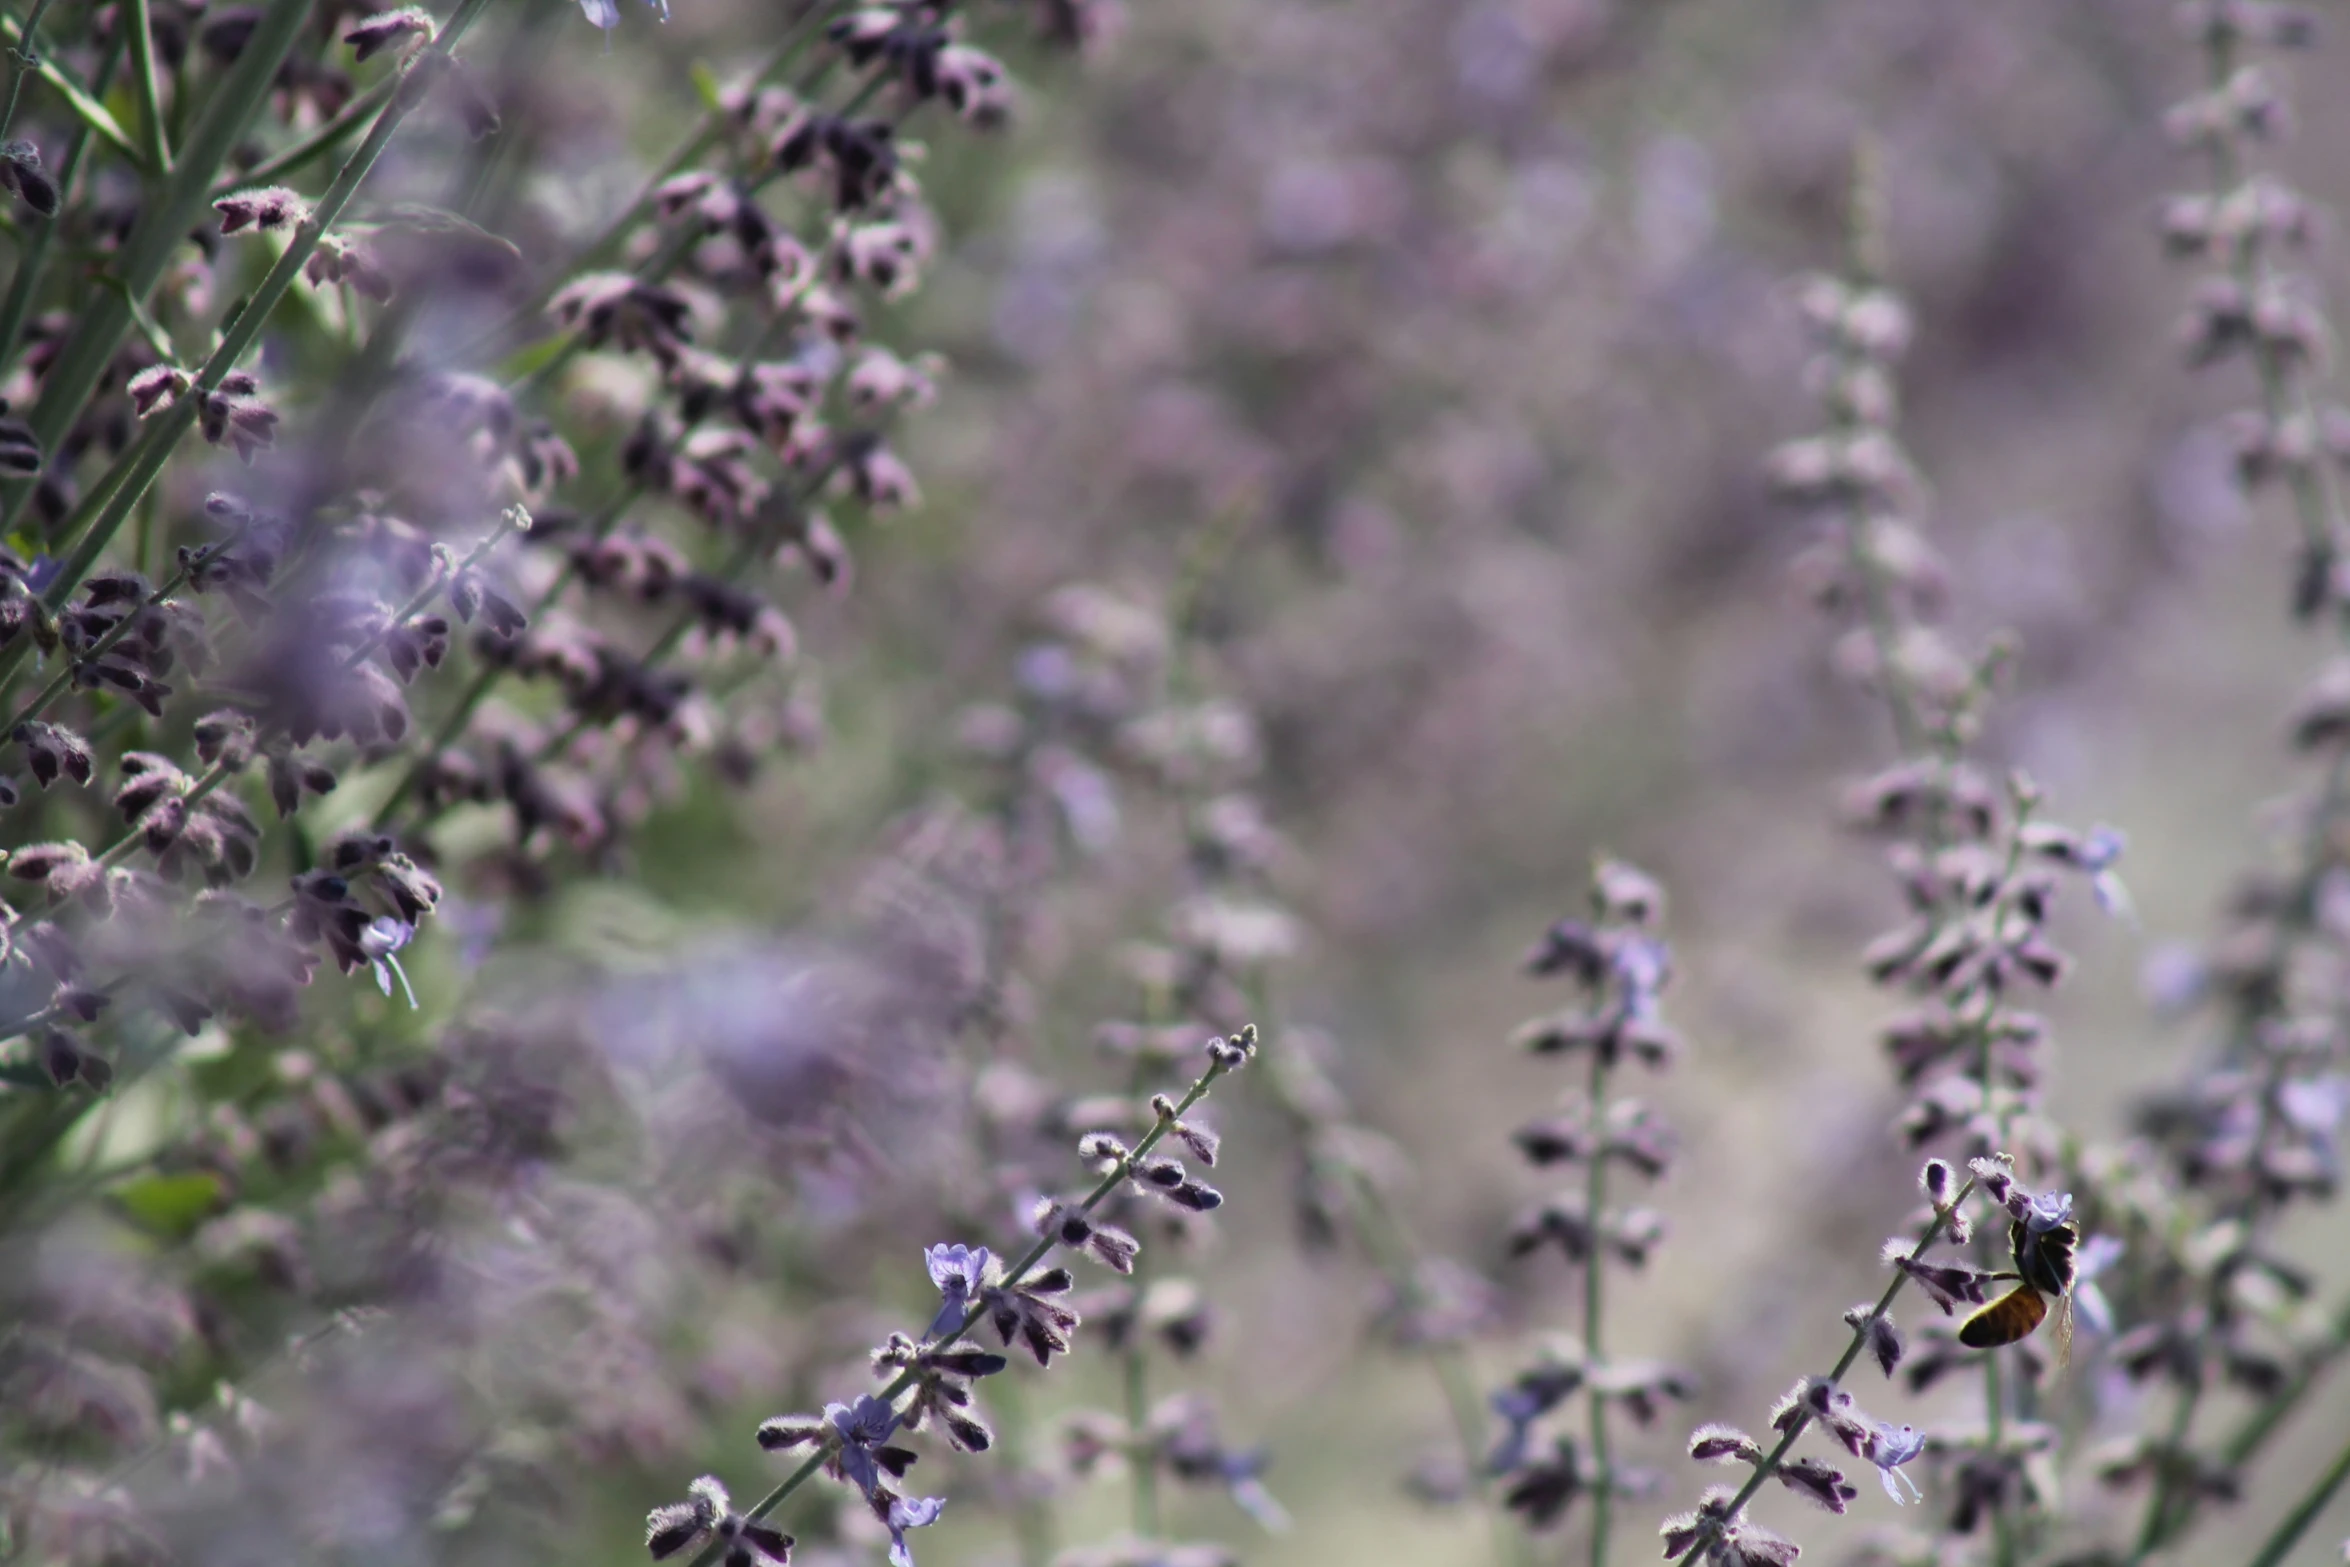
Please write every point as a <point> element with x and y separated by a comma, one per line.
<point>2006,1320</point>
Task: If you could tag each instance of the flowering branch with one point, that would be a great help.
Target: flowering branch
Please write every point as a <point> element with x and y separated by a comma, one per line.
<point>1718,1521</point>
<point>1224,1056</point>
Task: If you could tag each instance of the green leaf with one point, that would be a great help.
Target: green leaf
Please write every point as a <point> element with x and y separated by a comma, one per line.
<point>416,217</point>
<point>534,358</point>
<point>170,1205</point>
<point>706,86</point>
<point>158,340</point>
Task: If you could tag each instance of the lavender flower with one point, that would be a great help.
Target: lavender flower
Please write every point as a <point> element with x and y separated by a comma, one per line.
<point>958,1271</point>
<point>605,14</point>
<point>1892,1447</point>
<point>378,943</point>
<point>905,1513</point>
<point>865,1427</point>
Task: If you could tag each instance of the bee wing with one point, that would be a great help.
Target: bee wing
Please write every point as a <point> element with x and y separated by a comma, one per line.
<point>2048,1263</point>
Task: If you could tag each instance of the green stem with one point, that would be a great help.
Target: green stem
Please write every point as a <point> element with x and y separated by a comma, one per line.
<point>292,1350</point>
<point>157,151</point>
<point>2317,507</point>
<point>671,256</point>
<point>752,548</point>
<point>486,681</point>
<point>1389,1243</point>
<point>2263,1422</point>
<point>606,244</point>
<point>2260,1426</point>
<point>1032,1520</point>
<point>1876,600</point>
<point>360,383</point>
<point>442,738</point>
<point>2155,1528</point>
<point>2282,394</point>
<point>1995,1402</point>
<point>27,61</point>
<point>219,773</point>
<point>971,1319</point>
<point>1141,1455</point>
<point>2304,1513</point>
<point>1594,1315</point>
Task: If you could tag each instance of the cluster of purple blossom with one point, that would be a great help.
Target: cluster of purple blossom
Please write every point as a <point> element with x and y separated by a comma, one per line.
<point>409,656</point>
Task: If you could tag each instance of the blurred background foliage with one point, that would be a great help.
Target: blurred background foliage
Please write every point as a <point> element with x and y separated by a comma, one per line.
<point>1475,315</point>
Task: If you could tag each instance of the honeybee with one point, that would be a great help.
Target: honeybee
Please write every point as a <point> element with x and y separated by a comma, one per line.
<point>2043,1238</point>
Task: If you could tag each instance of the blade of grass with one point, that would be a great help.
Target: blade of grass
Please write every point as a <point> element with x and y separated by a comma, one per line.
<point>144,82</point>
<point>85,106</point>
<point>2296,1523</point>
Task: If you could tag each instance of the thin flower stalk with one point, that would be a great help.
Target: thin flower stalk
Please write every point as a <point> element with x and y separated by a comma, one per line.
<point>1223,1059</point>
<point>1621,965</point>
<point>27,59</point>
<point>1193,976</point>
<point>1346,1188</point>
<point>298,155</point>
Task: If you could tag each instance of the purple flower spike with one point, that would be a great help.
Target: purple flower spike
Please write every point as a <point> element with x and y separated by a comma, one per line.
<point>958,1271</point>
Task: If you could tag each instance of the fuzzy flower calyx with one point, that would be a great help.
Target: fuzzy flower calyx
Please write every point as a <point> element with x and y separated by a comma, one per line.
<point>708,1514</point>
